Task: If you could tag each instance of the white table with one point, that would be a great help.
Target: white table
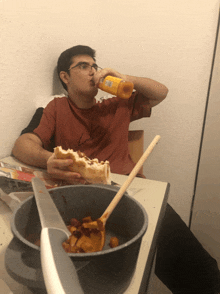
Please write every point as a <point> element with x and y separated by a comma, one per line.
<point>151,194</point>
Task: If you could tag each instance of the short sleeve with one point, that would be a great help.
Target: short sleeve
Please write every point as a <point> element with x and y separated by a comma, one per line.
<point>35,120</point>
<point>46,128</point>
<point>140,108</point>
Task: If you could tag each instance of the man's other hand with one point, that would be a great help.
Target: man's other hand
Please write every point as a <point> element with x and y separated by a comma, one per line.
<point>58,169</point>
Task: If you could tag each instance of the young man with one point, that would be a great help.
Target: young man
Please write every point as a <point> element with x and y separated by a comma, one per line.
<point>98,129</point>
<point>101,130</point>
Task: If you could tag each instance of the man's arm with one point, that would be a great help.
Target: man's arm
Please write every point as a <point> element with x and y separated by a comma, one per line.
<point>152,91</point>
<point>29,149</point>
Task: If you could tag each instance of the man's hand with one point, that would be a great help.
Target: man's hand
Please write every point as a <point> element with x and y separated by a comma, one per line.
<point>106,72</point>
<point>58,169</point>
<point>150,91</point>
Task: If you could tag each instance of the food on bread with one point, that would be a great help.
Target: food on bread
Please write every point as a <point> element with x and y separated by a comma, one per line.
<point>91,170</point>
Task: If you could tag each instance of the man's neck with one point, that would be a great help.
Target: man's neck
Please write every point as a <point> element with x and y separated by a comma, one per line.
<point>81,101</point>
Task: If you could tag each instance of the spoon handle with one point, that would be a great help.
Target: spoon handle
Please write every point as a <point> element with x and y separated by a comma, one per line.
<point>130,178</point>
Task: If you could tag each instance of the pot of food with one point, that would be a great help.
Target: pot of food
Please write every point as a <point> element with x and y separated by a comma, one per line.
<point>106,271</point>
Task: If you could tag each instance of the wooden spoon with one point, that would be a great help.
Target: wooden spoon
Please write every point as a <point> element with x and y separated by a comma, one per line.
<point>101,222</point>
<point>130,178</point>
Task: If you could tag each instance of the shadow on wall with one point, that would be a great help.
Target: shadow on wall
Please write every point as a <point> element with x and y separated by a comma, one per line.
<point>57,86</point>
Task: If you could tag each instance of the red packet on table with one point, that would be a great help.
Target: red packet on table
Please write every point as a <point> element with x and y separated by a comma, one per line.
<point>25,174</point>
<point>15,183</point>
<point>19,175</point>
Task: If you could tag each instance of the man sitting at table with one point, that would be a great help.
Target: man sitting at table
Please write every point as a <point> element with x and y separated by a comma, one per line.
<point>100,130</point>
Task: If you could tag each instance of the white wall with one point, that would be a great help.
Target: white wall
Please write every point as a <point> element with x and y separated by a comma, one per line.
<point>167,40</point>
<point>206,212</point>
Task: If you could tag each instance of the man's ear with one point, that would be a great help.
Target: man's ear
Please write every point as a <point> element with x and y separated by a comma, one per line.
<point>64,76</point>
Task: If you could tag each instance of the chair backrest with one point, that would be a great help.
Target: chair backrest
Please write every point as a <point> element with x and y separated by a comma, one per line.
<point>136,145</point>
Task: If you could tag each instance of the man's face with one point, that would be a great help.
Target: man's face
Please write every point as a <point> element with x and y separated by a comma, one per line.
<point>80,78</point>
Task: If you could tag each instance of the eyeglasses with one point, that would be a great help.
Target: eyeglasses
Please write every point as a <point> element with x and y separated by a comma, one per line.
<point>84,66</point>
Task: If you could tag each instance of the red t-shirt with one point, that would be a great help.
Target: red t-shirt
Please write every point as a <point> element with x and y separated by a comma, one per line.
<point>100,132</point>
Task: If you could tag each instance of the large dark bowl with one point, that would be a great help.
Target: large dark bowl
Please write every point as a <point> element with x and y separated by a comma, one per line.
<point>107,271</point>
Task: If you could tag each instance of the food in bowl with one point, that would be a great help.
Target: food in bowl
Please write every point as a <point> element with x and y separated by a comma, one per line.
<point>87,236</point>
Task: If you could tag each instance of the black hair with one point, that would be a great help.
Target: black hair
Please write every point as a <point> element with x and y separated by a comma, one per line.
<point>65,60</point>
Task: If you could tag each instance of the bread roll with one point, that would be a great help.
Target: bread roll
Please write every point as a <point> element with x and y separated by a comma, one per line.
<point>90,169</point>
